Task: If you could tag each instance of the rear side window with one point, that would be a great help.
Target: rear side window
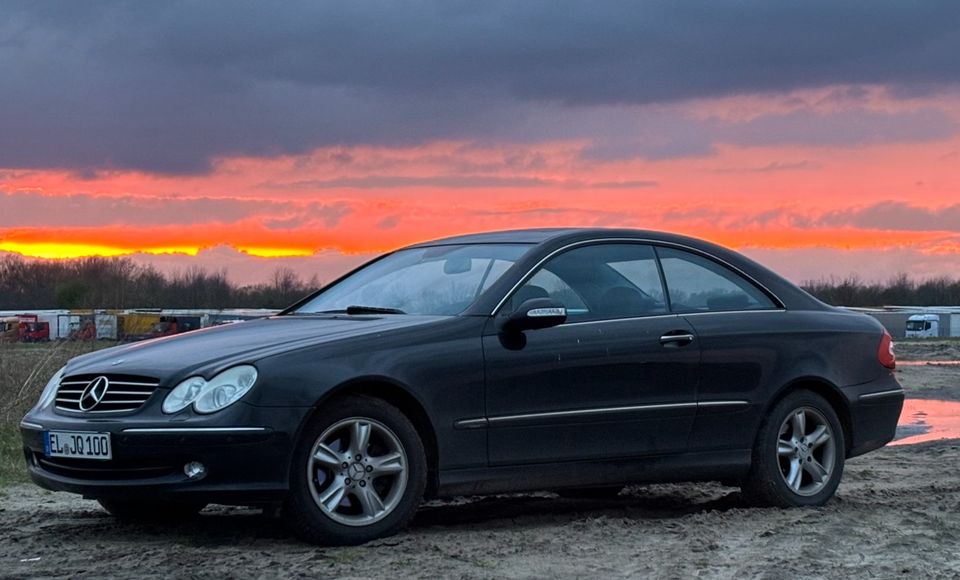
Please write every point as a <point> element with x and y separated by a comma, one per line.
<point>697,284</point>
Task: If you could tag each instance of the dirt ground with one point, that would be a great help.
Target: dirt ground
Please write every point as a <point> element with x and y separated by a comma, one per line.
<point>897,513</point>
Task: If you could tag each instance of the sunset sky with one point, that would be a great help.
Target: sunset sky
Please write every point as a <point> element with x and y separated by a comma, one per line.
<point>821,138</point>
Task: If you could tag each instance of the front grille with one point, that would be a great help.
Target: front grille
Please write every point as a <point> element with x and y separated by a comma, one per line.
<point>124,393</point>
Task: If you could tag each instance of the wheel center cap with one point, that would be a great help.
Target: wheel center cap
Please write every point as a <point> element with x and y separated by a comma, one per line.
<point>355,471</point>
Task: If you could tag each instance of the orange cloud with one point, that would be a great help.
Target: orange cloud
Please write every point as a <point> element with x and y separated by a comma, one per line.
<point>258,241</point>
<point>361,200</point>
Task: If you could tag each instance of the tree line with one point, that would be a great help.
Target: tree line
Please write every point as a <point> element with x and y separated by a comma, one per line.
<point>122,283</point>
<point>899,290</point>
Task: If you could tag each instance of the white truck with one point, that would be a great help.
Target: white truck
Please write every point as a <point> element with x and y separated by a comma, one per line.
<point>923,326</point>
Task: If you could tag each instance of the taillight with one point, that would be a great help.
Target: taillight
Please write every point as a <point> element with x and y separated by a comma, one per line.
<point>885,353</point>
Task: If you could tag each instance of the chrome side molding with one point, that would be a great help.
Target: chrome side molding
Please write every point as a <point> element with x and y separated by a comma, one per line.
<point>481,422</point>
<point>470,423</point>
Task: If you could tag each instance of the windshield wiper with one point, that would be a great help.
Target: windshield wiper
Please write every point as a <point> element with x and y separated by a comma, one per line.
<point>355,309</point>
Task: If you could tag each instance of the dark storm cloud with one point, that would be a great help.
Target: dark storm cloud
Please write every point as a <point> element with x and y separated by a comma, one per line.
<point>855,127</point>
<point>655,136</point>
<point>168,86</point>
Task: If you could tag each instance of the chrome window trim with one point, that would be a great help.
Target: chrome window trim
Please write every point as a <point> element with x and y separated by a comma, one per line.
<point>879,394</point>
<point>654,316</point>
<point>196,430</point>
<point>752,311</point>
<point>685,247</point>
<point>480,422</point>
<point>625,319</point>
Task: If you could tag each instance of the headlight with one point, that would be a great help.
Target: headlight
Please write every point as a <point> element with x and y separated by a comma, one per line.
<point>50,391</point>
<point>210,396</point>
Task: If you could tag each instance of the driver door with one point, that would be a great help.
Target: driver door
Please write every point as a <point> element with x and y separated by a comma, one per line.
<point>608,383</point>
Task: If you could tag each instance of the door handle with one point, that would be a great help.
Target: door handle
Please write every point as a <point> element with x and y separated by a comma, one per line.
<point>680,339</point>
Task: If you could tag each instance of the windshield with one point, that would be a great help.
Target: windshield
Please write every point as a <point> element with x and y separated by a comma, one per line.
<point>436,280</point>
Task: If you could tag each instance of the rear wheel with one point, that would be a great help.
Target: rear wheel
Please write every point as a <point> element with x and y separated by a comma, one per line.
<point>151,511</point>
<point>358,473</point>
<point>799,453</point>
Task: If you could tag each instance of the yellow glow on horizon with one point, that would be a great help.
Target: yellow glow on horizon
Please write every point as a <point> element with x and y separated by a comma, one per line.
<point>56,251</point>
<point>276,252</point>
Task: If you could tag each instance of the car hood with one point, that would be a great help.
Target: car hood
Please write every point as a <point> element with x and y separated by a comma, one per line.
<point>209,350</point>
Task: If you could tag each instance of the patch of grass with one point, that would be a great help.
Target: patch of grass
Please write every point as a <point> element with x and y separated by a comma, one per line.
<point>13,468</point>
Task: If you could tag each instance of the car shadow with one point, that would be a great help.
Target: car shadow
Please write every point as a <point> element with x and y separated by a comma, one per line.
<point>516,509</point>
<point>228,526</point>
<point>215,526</point>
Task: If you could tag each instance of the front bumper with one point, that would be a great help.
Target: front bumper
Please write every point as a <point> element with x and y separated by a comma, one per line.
<point>874,413</point>
<point>246,452</point>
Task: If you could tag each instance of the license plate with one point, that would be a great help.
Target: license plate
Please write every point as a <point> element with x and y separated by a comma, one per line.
<point>78,445</point>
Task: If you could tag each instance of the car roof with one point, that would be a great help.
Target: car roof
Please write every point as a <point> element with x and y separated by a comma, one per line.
<point>525,236</point>
<point>541,235</point>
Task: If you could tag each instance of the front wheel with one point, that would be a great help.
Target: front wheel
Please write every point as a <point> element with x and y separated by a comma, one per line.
<point>799,454</point>
<point>359,473</point>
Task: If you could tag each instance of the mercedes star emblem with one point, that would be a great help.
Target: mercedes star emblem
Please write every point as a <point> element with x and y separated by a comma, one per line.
<point>95,391</point>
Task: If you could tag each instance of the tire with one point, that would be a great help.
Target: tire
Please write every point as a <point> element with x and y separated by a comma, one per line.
<point>333,473</point>
<point>151,511</point>
<point>590,492</point>
<point>797,462</point>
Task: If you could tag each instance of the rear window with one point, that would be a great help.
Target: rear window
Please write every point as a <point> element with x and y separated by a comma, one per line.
<point>698,284</point>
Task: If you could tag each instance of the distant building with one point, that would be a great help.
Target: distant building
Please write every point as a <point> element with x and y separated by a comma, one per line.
<point>945,319</point>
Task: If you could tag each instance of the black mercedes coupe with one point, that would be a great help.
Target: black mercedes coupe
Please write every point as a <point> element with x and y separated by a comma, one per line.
<point>572,360</point>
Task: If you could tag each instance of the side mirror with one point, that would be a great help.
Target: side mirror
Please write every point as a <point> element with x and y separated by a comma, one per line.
<point>535,313</point>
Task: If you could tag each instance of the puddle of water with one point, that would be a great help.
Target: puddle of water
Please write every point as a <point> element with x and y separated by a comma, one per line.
<point>920,363</point>
<point>927,420</point>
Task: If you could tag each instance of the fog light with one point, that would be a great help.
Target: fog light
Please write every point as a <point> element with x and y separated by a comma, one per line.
<point>194,470</point>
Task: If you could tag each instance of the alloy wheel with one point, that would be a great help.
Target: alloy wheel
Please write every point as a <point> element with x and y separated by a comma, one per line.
<point>806,451</point>
<point>357,471</point>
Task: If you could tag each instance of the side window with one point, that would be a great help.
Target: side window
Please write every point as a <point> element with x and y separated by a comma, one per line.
<point>602,281</point>
<point>546,284</point>
<point>697,284</point>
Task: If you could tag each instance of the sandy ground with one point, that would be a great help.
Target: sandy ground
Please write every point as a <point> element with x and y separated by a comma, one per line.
<point>896,513</point>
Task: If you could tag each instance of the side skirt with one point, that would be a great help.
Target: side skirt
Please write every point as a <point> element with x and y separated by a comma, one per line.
<point>699,466</point>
